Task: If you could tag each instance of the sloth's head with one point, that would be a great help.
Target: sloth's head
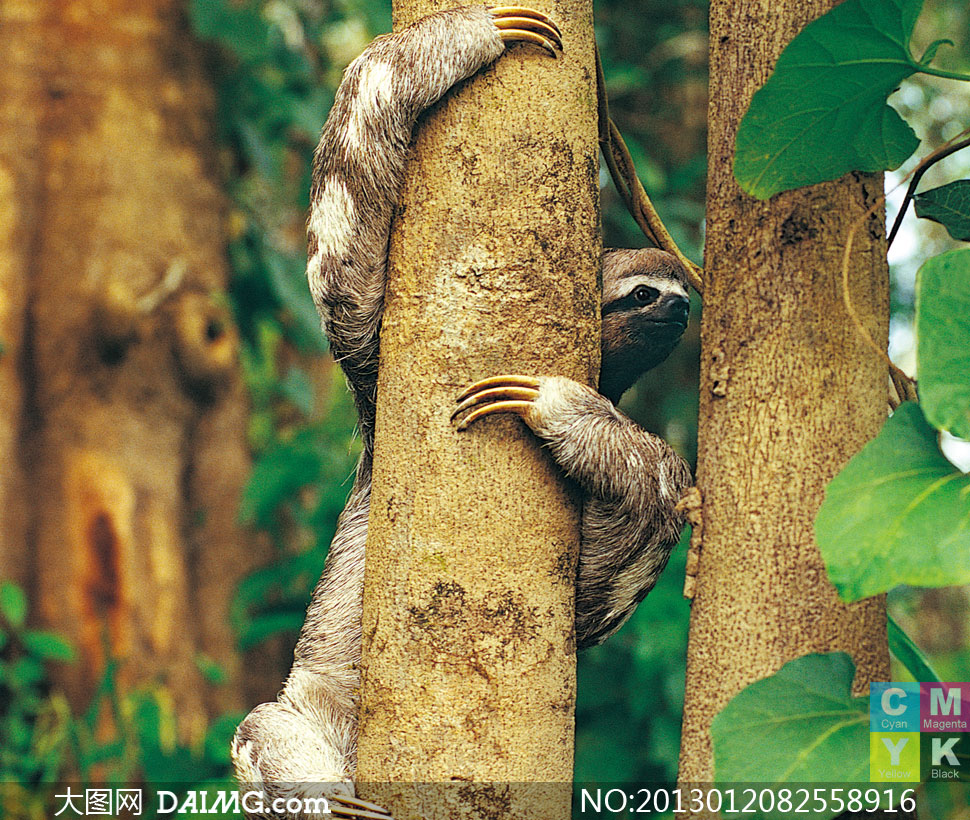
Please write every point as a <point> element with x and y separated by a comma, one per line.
<point>645,306</point>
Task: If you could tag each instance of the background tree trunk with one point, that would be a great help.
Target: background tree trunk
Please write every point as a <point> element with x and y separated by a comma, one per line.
<point>469,670</point>
<point>21,52</point>
<point>788,393</point>
<point>132,445</point>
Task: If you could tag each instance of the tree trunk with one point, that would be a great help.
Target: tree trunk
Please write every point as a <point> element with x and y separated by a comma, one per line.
<point>469,665</point>
<point>21,52</point>
<point>789,392</point>
<point>134,442</point>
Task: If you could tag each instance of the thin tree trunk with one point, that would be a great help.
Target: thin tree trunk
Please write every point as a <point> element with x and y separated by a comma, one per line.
<point>134,444</point>
<point>469,667</point>
<point>789,392</point>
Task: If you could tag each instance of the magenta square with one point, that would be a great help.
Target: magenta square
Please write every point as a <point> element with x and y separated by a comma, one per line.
<point>944,707</point>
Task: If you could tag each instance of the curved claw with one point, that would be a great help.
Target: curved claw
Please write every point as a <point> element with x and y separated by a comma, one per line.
<point>546,31</point>
<point>353,807</point>
<point>521,11</point>
<point>505,380</point>
<point>520,24</point>
<point>498,394</point>
<point>517,36</point>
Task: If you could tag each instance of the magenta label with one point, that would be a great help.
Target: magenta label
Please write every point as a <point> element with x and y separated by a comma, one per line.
<point>944,707</point>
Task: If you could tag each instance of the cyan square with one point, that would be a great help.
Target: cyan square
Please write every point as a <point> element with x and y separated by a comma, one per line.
<point>894,707</point>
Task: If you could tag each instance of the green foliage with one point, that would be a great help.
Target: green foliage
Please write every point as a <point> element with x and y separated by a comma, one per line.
<point>273,98</point>
<point>896,514</point>
<point>276,79</point>
<point>296,492</point>
<point>943,329</point>
<point>823,111</point>
<point>899,512</point>
<point>809,729</point>
<point>809,726</point>
<point>142,744</point>
<point>949,205</point>
<point>237,26</point>
<point>651,71</point>
<point>13,604</point>
<point>33,724</point>
<point>120,738</point>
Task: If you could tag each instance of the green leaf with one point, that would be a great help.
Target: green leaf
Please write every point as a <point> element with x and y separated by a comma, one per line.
<point>808,727</point>
<point>899,513</point>
<point>13,604</point>
<point>949,205</point>
<point>943,331</point>
<point>823,111</point>
<point>47,646</point>
<point>909,654</point>
<point>931,50</point>
<point>800,725</point>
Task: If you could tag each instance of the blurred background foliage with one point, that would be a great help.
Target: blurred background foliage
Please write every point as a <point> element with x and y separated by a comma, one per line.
<point>276,64</point>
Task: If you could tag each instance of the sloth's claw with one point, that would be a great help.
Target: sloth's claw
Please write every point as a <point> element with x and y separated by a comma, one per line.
<point>519,24</point>
<point>506,380</point>
<point>497,394</point>
<point>356,809</point>
<point>518,36</point>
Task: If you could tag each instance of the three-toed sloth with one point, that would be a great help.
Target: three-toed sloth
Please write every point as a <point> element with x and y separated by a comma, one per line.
<point>632,480</point>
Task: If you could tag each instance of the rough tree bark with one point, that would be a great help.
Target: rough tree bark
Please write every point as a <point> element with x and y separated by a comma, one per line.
<point>122,407</point>
<point>469,670</point>
<point>789,392</point>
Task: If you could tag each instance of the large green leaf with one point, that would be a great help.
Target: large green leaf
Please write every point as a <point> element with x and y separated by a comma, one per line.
<point>899,513</point>
<point>943,331</point>
<point>949,205</point>
<point>800,725</point>
<point>823,111</point>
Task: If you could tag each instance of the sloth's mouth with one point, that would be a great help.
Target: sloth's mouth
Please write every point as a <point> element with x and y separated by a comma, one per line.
<point>682,323</point>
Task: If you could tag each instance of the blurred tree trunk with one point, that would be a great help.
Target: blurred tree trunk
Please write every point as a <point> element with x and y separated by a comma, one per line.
<point>469,659</point>
<point>21,50</point>
<point>122,414</point>
<point>789,392</point>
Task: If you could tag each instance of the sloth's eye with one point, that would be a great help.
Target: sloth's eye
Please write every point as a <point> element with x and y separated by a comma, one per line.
<point>645,295</point>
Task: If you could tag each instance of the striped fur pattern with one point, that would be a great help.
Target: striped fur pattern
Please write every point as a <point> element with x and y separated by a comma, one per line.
<point>632,478</point>
<point>357,173</point>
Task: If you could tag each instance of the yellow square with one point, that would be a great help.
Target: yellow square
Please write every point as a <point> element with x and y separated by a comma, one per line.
<point>894,757</point>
